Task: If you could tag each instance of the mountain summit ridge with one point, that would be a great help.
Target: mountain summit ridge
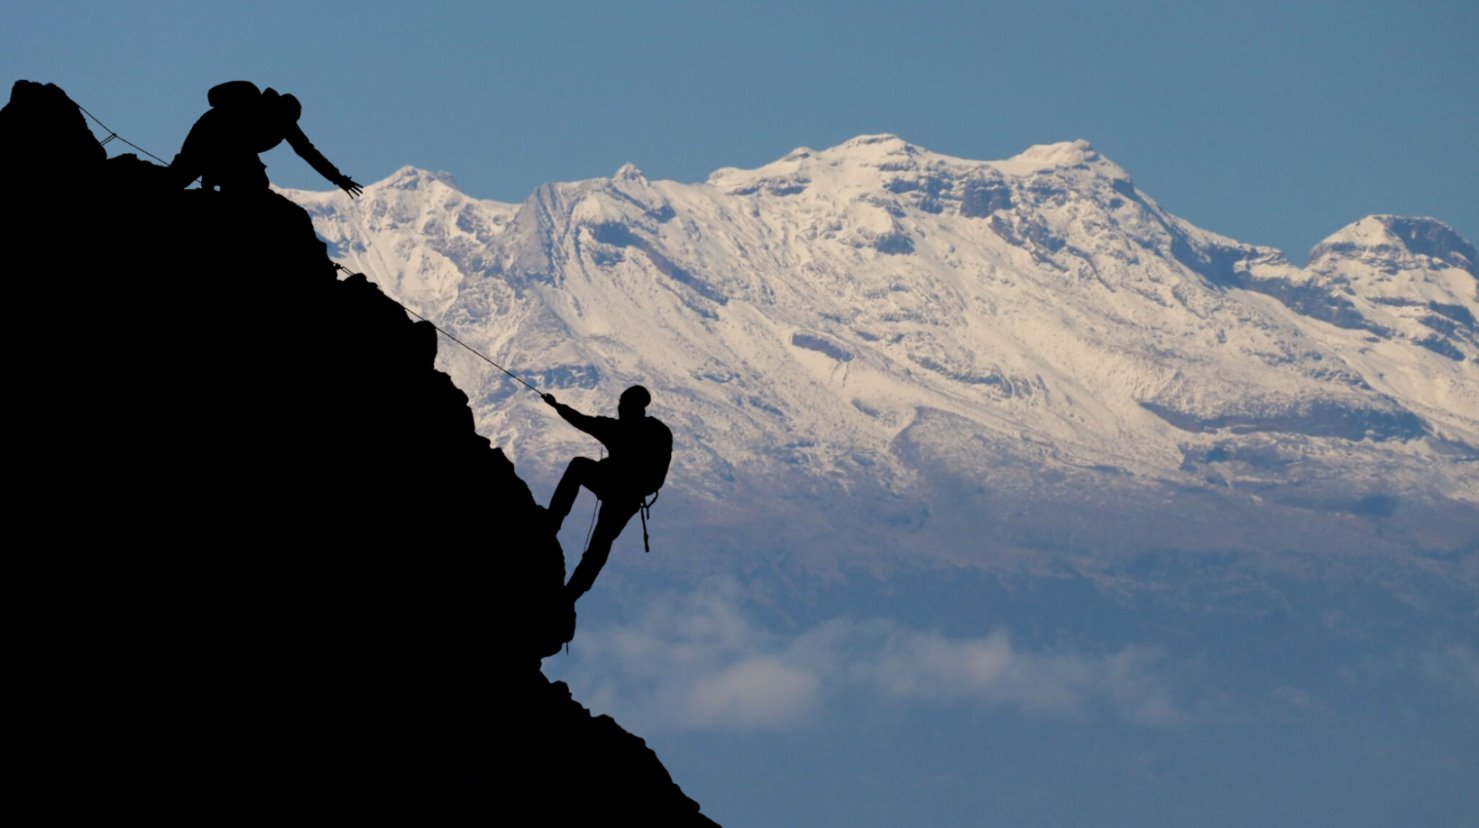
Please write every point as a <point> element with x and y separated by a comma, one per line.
<point>809,322</point>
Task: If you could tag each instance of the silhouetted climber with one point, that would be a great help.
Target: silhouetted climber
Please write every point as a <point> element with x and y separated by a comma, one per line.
<point>221,149</point>
<point>641,448</point>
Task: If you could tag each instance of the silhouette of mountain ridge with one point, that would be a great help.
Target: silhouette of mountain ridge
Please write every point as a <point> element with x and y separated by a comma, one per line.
<point>236,625</point>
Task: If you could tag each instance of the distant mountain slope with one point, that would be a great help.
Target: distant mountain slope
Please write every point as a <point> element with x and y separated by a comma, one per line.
<point>963,358</point>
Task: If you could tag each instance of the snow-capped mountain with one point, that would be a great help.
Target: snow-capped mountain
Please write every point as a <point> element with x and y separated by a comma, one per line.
<point>966,357</point>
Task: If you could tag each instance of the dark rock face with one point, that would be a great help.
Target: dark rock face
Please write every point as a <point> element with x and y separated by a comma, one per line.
<point>984,197</point>
<point>618,235</point>
<point>1436,240</point>
<point>812,342</point>
<point>1319,419</point>
<point>239,623</point>
<point>1419,236</point>
<point>1442,347</point>
<point>1315,301</point>
<point>586,769</point>
<point>44,132</point>
<point>894,244</point>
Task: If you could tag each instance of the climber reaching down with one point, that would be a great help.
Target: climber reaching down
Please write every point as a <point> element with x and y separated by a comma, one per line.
<point>221,149</point>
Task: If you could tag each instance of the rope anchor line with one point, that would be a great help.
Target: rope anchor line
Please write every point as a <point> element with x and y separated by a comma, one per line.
<point>646,507</point>
<point>112,135</point>
<point>448,335</point>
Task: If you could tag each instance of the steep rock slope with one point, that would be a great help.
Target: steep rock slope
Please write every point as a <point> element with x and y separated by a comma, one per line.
<point>220,616</point>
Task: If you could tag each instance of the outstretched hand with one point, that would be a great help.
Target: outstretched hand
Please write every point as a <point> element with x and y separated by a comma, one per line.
<point>348,185</point>
<point>550,398</point>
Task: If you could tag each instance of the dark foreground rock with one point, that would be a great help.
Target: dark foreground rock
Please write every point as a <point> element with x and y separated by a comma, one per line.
<point>261,562</point>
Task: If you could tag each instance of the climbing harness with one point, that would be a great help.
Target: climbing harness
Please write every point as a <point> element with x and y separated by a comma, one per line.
<point>645,512</point>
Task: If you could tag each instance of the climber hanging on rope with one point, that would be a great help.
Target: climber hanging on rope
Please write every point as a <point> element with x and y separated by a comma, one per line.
<point>640,447</point>
<point>221,149</point>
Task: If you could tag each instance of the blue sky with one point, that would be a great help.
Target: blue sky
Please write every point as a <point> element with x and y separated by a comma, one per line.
<point>1272,122</point>
<point>912,697</point>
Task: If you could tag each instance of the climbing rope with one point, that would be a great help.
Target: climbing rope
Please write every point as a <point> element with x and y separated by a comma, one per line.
<point>112,135</point>
<point>444,332</point>
<point>646,503</point>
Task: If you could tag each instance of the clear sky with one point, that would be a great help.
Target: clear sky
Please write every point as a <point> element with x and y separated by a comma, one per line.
<point>1271,122</point>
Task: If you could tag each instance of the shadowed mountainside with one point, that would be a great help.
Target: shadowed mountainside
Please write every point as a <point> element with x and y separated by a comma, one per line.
<point>219,615</point>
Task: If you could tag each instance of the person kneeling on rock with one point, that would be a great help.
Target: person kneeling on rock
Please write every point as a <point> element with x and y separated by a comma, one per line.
<point>221,149</point>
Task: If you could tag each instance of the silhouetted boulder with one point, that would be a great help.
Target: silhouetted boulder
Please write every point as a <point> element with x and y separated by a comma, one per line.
<point>45,140</point>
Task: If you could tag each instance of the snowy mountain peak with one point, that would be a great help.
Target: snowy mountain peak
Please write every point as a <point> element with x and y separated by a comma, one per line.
<point>872,146</point>
<point>1061,158</point>
<point>1054,156</point>
<point>1409,280</point>
<point>629,173</point>
<point>414,178</point>
<point>855,162</point>
<point>878,316</point>
<point>888,172</point>
<point>1398,238</point>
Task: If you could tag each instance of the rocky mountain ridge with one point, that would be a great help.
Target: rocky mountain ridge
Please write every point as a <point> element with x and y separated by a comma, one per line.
<point>876,323</point>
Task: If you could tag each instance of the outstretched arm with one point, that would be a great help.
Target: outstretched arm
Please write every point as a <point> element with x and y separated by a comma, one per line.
<point>585,422</point>
<point>308,152</point>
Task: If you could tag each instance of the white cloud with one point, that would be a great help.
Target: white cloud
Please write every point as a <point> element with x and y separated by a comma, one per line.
<point>990,671</point>
<point>756,692</point>
<point>694,663</point>
<point>699,662</point>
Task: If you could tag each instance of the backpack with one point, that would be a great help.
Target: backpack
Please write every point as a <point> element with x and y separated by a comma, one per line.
<point>657,455</point>
<point>234,94</point>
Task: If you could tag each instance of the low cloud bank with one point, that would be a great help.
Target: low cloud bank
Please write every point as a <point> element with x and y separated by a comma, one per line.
<point>700,662</point>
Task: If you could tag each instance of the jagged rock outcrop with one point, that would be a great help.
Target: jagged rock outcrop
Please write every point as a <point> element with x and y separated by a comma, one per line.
<point>218,615</point>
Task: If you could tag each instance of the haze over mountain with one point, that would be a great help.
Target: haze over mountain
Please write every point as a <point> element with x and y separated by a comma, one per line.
<point>891,352</point>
